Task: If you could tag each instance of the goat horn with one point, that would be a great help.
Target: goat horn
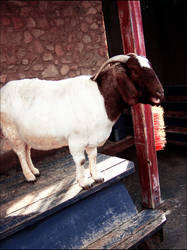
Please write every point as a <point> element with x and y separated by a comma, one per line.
<point>132,54</point>
<point>119,58</point>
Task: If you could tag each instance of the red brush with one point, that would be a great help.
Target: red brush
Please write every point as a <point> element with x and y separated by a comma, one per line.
<point>159,127</point>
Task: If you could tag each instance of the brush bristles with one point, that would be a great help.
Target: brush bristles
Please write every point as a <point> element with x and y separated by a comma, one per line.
<point>159,127</point>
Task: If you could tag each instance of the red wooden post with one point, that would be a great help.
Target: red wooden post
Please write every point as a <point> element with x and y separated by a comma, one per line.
<point>133,41</point>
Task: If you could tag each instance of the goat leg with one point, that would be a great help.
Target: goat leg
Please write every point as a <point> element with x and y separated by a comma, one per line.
<point>94,172</point>
<point>79,159</point>
<point>34,170</point>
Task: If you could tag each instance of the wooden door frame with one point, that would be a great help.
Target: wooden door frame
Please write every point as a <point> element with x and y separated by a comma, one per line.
<point>124,31</point>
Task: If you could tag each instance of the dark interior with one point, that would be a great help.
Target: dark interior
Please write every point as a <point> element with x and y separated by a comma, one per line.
<point>164,24</point>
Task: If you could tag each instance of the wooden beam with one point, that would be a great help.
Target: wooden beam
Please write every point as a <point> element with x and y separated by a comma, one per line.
<point>112,27</point>
<point>133,41</point>
<point>131,233</point>
<point>112,148</point>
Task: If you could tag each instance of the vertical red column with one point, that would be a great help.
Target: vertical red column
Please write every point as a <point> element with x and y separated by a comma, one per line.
<point>133,41</point>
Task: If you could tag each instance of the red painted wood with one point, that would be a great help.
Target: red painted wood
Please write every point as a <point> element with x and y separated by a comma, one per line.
<point>133,41</point>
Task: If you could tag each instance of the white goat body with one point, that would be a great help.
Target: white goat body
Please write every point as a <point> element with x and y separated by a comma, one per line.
<point>45,115</point>
<point>57,110</point>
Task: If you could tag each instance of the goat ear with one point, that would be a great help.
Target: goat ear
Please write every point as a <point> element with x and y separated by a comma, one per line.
<point>126,89</point>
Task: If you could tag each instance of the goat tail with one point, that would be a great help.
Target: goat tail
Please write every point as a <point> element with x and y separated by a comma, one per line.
<point>4,142</point>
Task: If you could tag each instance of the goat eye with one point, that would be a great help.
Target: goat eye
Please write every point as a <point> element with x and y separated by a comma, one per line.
<point>134,73</point>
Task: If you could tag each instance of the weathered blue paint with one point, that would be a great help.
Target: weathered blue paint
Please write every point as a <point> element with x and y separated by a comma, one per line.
<point>77,225</point>
<point>53,201</point>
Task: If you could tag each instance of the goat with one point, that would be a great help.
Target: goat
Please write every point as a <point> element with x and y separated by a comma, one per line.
<point>77,112</point>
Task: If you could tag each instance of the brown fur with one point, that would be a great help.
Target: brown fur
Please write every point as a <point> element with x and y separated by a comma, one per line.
<point>145,80</point>
<point>110,83</point>
<point>128,84</point>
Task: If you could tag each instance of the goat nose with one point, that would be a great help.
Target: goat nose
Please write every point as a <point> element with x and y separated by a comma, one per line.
<point>160,94</point>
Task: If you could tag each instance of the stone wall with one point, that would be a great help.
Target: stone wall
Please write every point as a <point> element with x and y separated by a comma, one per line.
<point>50,40</point>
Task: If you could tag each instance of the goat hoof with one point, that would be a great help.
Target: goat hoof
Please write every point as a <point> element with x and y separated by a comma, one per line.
<point>98,178</point>
<point>31,178</point>
<point>36,172</point>
<point>86,184</point>
<point>32,182</point>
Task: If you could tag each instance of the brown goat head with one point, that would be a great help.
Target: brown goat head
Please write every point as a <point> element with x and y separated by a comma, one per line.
<point>134,79</point>
<point>145,80</point>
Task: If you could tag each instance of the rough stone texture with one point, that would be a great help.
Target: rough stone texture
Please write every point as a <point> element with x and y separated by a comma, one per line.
<point>37,33</point>
<point>38,46</point>
<point>47,57</point>
<point>30,22</point>
<point>87,39</point>
<point>64,70</point>
<point>3,78</point>
<point>25,61</point>
<point>27,37</point>
<point>50,39</point>
<point>58,50</point>
<point>50,71</point>
<point>38,67</point>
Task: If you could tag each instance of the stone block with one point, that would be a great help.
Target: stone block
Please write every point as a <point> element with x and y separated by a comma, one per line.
<point>25,61</point>
<point>14,37</point>
<point>94,26</point>
<point>17,22</point>
<point>38,46</point>
<point>92,11</point>
<point>50,71</point>
<point>37,32</point>
<point>43,23</point>
<point>31,23</point>
<point>27,37</point>
<point>3,37</point>
<point>59,21</point>
<point>38,67</point>
<point>84,27</point>
<point>64,70</point>
<point>22,76</point>
<point>79,47</point>
<point>47,57</point>
<point>86,39</point>
<point>5,21</point>
<point>50,47</point>
<point>89,19</point>
<point>3,78</point>
<point>58,50</point>
<point>25,11</point>
<point>21,53</point>
<point>86,4</point>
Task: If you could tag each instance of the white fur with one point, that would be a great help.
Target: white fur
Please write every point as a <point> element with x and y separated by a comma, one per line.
<point>144,62</point>
<point>44,115</point>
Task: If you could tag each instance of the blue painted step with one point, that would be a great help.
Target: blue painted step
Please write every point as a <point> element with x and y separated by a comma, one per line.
<point>78,225</point>
<point>23,204</point>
